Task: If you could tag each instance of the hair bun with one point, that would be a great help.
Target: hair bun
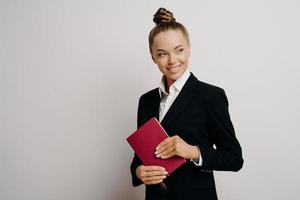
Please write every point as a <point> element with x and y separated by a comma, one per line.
<point>163,15</point>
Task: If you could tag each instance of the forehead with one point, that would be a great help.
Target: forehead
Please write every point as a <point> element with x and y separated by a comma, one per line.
<point>169,39</point>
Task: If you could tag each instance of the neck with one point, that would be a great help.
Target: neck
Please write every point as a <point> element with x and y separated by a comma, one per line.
<point>168,84</point>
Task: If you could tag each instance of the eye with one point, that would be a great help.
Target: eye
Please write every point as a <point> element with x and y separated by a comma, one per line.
<point>180,50</point>
<point>161,55</point>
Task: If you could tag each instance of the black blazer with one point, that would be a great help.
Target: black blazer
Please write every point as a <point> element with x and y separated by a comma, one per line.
<point>199,115</point>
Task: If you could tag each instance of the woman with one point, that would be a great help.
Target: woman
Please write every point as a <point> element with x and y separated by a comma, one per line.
<point>194,114</point>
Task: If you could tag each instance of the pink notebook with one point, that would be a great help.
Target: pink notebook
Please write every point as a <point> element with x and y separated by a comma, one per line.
<point>144,141</point>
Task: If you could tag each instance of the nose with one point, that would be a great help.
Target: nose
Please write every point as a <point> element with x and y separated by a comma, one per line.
<point>172,59</point>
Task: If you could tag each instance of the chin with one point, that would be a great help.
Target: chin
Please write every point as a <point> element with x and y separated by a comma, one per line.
<point>177,75</point>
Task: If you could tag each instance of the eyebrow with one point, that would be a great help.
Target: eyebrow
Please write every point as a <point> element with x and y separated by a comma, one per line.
<point>174,48</point>
<point>178,46</point>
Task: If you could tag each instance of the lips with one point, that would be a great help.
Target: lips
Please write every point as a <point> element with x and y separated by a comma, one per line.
<point>173,67</point>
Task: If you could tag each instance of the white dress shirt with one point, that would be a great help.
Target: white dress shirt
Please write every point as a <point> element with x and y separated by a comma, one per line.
<point>167,99</point>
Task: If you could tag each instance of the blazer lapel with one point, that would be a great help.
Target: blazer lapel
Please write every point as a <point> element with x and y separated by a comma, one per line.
<point>156,104</point>
<point>185,96</point>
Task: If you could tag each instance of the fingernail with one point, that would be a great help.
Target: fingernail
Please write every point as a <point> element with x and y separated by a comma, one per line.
<point>156,152</point>
<point>157,156</point>
<point>165,172</point>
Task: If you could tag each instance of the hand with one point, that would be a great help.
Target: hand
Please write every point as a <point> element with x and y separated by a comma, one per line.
<point>150,175</point>
<point>176,146</point>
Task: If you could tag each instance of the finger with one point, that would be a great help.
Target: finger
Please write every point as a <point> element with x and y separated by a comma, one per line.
<point>169,155</point>
<point>146,171</point>
<point>154,173</point>
<point>166,151</point>
<point>153,182</point>
<point>165,141</point>
<point>154,178</point>
<point>153,168</point>
<point>165,146</point>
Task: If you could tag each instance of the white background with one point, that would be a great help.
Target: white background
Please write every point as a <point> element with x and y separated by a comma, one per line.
<point>71,73</point>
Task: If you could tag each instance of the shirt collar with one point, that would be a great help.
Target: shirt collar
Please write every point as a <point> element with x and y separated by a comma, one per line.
<point>177,85</point>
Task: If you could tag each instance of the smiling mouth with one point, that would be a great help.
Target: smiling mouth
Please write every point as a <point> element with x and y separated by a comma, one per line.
<point>174,67</point>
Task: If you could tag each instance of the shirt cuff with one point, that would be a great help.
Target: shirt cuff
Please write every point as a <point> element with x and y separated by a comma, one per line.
<point>199,162</point>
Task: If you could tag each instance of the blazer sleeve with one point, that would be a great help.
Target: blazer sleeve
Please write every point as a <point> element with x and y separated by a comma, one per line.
<point>134,164</point>
<point>227,154</point>
<point>136,161</point>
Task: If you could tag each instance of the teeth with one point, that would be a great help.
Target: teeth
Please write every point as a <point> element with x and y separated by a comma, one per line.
<point>174,67</point>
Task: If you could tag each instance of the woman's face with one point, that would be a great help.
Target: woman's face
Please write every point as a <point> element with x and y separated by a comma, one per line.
<point>171,52</point>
